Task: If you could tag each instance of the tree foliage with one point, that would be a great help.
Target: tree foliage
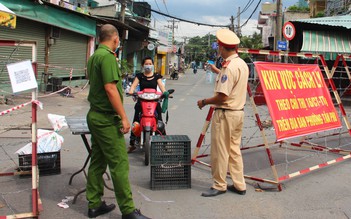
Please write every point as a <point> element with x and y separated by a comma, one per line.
<point>296,8</point>
<point>200,49</point>
<point>253,41</point>
<point>320,14</point>
<point>126,68</point>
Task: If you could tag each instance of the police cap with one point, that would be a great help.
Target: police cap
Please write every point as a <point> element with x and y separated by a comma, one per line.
<point>227,38</point>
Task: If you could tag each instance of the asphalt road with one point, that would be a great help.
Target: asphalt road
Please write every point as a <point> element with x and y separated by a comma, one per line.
<point>319,194</point>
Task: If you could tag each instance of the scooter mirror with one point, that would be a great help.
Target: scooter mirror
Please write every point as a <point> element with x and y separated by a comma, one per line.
<point>171,91</point>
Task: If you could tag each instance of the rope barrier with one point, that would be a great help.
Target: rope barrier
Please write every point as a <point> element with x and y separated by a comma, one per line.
<point>21,106</point>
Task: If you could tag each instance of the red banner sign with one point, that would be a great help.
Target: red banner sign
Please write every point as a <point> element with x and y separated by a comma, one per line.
<point>298,99</point>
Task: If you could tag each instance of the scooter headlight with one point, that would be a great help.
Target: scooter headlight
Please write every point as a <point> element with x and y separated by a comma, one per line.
<point>149,96</point>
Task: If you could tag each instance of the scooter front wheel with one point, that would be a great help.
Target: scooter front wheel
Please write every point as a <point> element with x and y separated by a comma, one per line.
<point>147,143</point>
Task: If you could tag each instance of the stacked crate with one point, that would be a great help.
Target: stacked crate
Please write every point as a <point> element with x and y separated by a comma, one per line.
<point>170,160</point>
<point>48,163</point>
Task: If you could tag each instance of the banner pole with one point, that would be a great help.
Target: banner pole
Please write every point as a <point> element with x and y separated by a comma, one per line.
<point>34,154</point>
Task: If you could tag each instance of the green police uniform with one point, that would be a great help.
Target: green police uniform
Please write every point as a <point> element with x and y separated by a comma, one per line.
<point>107,142</point>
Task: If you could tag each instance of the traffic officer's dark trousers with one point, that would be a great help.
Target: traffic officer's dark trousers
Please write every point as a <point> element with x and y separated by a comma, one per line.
<point>108,148</point>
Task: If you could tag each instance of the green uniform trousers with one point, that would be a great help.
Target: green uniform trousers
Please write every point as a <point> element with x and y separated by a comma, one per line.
<point>108,148</point>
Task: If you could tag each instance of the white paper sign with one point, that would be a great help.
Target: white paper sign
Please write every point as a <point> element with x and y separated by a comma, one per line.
<point>22,76</point>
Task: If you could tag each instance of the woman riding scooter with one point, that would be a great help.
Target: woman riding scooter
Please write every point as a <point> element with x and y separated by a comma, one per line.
<point>148,79</point>
<point>195,68</point>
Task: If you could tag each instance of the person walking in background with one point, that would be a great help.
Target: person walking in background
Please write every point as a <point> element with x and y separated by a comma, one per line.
<point>170,68</point>
<point>226,127</point>
<point>108,122</point>
<point>148,79</point>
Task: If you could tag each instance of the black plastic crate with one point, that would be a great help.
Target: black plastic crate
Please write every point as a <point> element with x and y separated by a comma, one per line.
<point>48,163</point>
<point>170,149</point>
<point>167,176</point>
<point>56,81</point>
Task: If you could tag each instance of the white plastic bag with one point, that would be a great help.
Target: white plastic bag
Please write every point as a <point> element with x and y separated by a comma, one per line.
<point>57,122</point>
<point>48,141</point>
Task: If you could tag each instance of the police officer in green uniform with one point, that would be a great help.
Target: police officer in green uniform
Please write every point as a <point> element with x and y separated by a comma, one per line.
<point>108,122</point>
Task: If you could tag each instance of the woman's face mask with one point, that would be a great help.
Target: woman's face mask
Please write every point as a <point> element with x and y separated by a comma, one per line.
<point>148,68</point>
<point>119,45</point>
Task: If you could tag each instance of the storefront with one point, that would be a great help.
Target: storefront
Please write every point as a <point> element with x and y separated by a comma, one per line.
<point>63,38</point>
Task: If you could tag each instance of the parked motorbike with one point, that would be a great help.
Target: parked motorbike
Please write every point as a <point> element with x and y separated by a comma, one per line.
<point>149,125</point>
<point>127,81</point>
<point>174,75</point>
<point>195,70</point>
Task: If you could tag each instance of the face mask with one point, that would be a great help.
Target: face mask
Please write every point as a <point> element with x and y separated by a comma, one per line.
<point>148,68</point>
<point>119,45</point>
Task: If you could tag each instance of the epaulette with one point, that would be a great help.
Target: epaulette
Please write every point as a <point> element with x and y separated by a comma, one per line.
<point>225,64</point>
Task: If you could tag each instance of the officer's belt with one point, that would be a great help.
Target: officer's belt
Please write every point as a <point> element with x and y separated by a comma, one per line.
<point>224,109</point>
<point>103,112</point>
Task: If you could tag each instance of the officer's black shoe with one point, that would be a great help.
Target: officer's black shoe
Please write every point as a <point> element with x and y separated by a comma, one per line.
<point>233,189</point>
<point>212,192</point>
<point>103,209</point>
<point>136,214</point>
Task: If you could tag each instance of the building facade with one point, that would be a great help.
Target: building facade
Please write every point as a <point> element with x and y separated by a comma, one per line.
<point>338,7</point>
<point>64,41</point>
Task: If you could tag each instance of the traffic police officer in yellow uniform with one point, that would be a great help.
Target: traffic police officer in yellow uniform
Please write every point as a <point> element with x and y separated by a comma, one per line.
<point>108,122</point>
<point>227,123</point>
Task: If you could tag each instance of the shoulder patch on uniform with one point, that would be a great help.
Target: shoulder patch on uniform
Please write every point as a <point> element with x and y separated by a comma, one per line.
<point>224,78</point>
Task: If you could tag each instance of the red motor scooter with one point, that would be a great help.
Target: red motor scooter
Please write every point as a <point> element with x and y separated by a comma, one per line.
<point>149,124</point>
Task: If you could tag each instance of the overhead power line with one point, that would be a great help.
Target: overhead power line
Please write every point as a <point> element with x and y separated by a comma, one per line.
<point>164,2</point>
<point>159,8</point>
<point>258,4</point>
<point>188,21</point>
<point>249,3</point>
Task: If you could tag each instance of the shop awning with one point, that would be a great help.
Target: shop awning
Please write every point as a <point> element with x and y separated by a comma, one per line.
<point>7,17</point>
<point>327,43</point>
<point>55,16</point>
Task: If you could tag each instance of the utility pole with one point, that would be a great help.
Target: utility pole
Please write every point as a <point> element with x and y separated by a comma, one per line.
<point>185,38</point>
<point>172,27</point>
<point>185,52</point>
<point>123,10</point>
<point>122,19</point>
<point>232,23</point>
<point>278,25</point>
<point>239,29</point>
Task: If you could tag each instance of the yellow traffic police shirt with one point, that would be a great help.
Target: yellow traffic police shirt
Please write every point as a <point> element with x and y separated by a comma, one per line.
<point>232,81</point>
